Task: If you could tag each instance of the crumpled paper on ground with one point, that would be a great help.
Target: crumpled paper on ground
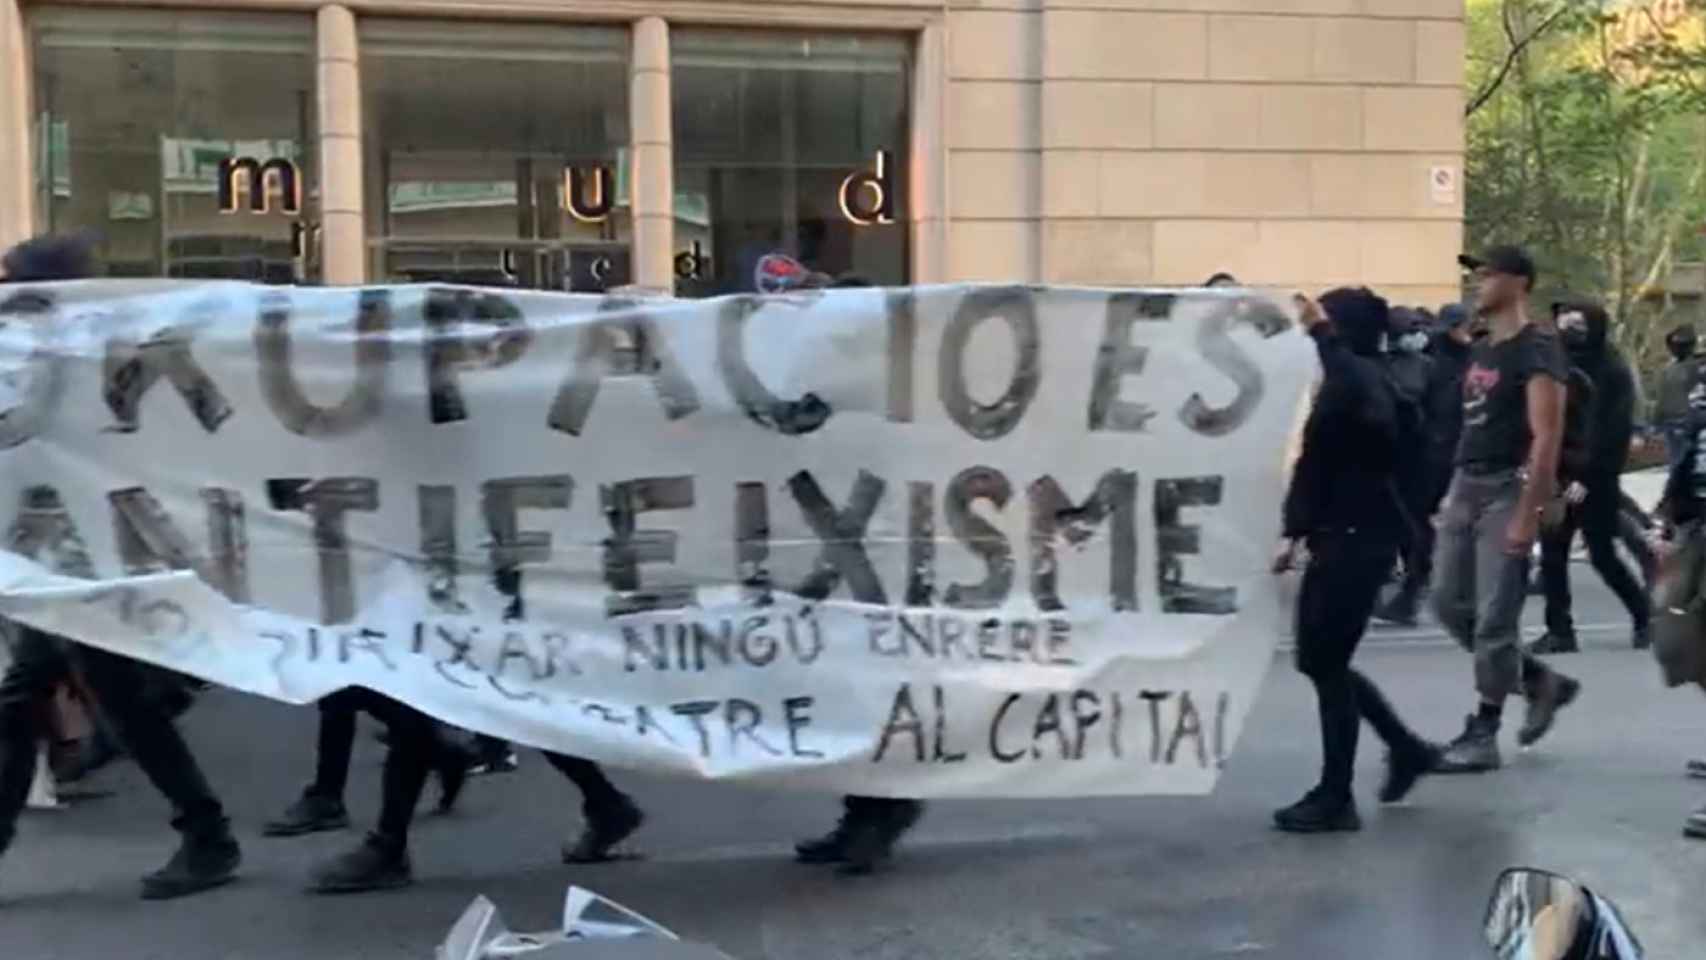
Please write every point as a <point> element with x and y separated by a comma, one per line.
<point>594,928</point>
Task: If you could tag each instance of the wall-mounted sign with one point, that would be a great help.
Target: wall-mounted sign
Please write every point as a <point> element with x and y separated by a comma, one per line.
<point>246,183</point>
<point>1442,185</point>
<point>867,197</point>
<point>589,193</point>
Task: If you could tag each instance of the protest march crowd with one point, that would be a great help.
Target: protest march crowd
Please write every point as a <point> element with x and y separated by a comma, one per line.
<point>1440,453</point>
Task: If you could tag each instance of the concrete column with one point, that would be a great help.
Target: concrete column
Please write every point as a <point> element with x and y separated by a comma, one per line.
<point>651,176</point>
<point>928,175</point>
<point>17,173</point>
<point>343,232</point>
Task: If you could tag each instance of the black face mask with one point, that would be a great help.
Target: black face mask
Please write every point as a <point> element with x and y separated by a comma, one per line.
<point>1680,349</point>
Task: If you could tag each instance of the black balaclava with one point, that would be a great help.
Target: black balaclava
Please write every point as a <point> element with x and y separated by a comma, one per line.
<point>1587,345</point>
<point>1358,316</point>
<point>1680,342</point>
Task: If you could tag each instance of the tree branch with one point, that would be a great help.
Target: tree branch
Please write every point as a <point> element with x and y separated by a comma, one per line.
<point>1516,48</point>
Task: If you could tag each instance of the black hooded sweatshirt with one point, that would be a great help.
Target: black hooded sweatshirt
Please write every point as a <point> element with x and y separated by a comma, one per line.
<point>1612,421</point>
<point>1345,478</point>
<point>1445,409</point>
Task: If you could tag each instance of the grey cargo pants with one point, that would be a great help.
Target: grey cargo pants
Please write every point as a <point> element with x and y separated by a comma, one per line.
<point>1479,588</point>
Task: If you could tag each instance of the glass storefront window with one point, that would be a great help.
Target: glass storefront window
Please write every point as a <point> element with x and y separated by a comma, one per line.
<point>497,153</point>
<point>789,143</point>
<point>185,141</point>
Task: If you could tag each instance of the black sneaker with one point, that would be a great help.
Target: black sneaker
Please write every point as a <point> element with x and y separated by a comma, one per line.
<point>311,813</point>
<point>1553,692</point>
<point>1550,642</point>
<point>374,865</point>
<point>1404,768</point>
<point>1694,768</point>
<point>871,841</point>
<point>829,848</point>
<point>201,863</point>
<point>605,828</point>
<point>1317,814</point>
<point>1476,749</point>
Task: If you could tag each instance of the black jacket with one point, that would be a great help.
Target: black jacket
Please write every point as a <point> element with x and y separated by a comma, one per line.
<point>1613,408</point>
<point>1345,476</point>
<point>1444,401</point>
<point>1581,416</point>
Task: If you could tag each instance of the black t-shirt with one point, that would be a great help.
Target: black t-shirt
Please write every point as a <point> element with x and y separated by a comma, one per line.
<point>1495,397</point>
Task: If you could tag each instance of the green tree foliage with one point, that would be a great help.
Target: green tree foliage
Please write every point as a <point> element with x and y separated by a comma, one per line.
<point>1587,143</point>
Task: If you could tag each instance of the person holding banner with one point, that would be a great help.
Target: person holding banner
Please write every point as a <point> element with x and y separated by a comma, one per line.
<point>1345,508</point>
<point>208,855</point>
<point>321,805</point>
<point>415,745</point>
<point>869,828</point>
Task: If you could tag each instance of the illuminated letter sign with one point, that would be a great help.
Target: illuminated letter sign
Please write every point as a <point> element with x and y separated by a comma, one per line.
<point>589,206</point>
<point>868,198</point>
<point>246,175</point>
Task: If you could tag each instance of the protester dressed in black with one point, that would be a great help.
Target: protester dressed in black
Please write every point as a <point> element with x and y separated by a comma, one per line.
<point>1412,372</point>
<point>1443,405</point>
<point>1593,485</point>
<point>208,856</point>
<point>1343,506</point>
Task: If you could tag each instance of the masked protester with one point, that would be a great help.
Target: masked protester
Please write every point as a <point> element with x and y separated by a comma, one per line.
<point>1593,494</point>
<point>1411,370</point>
<point>1670,411</point>
<point>1507,471</point>
<point>1344,507</point>
<point>1443,403</point>
<point>208,855</point>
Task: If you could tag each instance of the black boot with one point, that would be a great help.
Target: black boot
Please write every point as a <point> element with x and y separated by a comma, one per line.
<point>1317,813</point>
<point>1547,695</point>
<point>378,864</point>
<point>311,813</point>
<point>203,861</point>
<point>1476,749</point>
<point>829,848</point>
<point>1404,768</point>
<point>606,826</point>
<point>870,843</point>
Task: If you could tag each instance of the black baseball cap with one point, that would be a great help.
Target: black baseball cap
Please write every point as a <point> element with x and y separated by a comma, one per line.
<point>1507,259</point>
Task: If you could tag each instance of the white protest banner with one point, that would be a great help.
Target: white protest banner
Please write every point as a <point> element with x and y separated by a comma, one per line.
<point>915,542</point>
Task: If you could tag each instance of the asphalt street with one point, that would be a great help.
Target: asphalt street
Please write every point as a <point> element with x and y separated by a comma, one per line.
<point>1602,799</point>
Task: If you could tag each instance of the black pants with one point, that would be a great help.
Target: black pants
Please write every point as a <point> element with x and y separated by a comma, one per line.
<point>1599,518</point>
<point>1340,588</point>
<point>337,743</point>
<point>1417,550</point>
<point>40,662</point>
<point>1418,540</point>
<point>414,739</point>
